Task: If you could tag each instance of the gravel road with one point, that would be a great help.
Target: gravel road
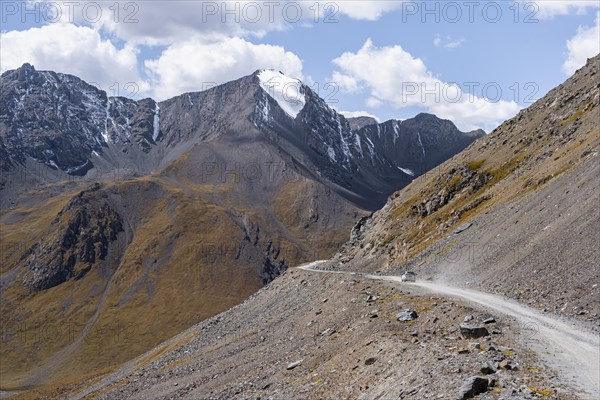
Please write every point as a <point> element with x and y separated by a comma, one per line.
<point>570,350</point>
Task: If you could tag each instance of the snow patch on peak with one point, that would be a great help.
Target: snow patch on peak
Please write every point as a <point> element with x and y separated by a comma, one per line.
<point>286,91</point>
<point>156,124</point>
<point>406,171</point>
<point>345,147</point>
<point>331,153</point>
<point>396,125</point>
<point>421,143</point>
<point>105,135</point>
<point>357,144</point>
<point>261,113</point>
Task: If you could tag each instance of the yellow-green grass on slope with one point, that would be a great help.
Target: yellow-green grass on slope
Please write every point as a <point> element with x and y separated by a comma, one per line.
<point>179,268</point>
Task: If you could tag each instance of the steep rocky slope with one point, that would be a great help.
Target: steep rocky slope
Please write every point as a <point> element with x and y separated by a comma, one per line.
<point>516,212</point>
<point>56,127</point>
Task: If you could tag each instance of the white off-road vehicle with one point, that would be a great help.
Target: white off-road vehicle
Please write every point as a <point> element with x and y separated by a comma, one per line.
<point>408,276</point>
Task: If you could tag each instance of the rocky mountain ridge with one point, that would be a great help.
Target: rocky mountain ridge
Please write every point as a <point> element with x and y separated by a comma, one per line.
<point>69,125</point>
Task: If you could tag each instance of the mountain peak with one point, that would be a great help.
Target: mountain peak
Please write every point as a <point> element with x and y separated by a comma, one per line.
<point>287,92</point>
<point>428,116</point>
<point>27,67</point>
<point>21,73</point>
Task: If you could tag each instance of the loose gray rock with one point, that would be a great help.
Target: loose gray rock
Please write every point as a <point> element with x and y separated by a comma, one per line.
<point>487,369</point>
<point>407,315</point>
<point>472,387</point>
<point>506,364</point>
<point>462,228</point>
<point>328,332</point>
<point>473,332</point>
<point>370,361</point>
<point>294,364</point>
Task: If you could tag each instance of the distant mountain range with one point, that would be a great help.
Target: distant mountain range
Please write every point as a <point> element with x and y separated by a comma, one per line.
<point>65,123</point>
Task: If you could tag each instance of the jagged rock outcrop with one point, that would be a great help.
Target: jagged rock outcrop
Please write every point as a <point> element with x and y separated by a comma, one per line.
<point>80,237</point>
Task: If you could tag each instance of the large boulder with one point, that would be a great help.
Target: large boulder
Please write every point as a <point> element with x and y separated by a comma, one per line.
<point>472,387</point>
<point>472,331</point>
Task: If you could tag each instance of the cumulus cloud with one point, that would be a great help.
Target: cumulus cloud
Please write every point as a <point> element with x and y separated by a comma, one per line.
<point>447,42</point>
<point>548,9</point>
<point>167,22</point>
<point>197,64</point>
<point>585,44</point>
<point>71,49</point>
<point>394,77</point>
<point>346,83</point>
<point>203,41</point>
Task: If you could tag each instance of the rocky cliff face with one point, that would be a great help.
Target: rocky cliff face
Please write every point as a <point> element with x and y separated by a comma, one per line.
<point>357,123</point>
<point>60,120</point>
<point>79,238</point>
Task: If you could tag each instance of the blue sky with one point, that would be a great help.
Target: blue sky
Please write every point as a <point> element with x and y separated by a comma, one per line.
<point>390,59</point>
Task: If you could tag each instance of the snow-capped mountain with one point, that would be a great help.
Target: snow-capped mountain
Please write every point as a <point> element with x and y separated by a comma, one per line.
<point>65,123</point>
<point>61,121</point>
<point>370,161</point>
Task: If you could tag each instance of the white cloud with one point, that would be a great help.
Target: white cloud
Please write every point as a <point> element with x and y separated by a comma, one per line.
<point>197,64</point>
<point>585,44</point>
<point>168,22</point>
<point>74,50</point>
<point>354,114</point>
<point>548,9</point>
<point>373,102</point>
<point>447,42</point>
<point>346,83</point>
<point>393,76</point>
<point>366,10</point>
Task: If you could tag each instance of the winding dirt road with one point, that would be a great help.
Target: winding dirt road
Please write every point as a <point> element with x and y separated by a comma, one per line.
<point>572,352</point>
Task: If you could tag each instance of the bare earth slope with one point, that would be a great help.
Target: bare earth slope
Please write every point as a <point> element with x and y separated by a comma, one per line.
<point>343,330</point>
<point>572,350</point>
